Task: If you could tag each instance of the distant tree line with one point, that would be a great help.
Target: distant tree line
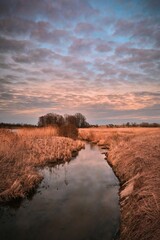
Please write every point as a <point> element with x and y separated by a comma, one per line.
<point>52,119</point>
<point>143,124</point>
<point>16,125</point>
<point>78,120</point>
<point>128,124</point>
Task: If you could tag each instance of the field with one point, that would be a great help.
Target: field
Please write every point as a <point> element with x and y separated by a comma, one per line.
<point>22,152</point>
<point>134,154</point>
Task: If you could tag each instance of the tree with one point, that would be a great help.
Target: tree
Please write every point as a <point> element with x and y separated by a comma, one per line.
<point>41,121</point>
<point>128,124</point>
<point>50,119</point>
<point>70,119</point>
<point>81,120</point>
<point>144,124</point>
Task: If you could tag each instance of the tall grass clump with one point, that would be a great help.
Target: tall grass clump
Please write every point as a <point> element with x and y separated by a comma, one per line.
<point>68,130</point>
<point>23,151</point>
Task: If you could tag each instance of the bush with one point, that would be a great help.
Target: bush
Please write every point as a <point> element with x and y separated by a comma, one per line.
<point>68,130</point>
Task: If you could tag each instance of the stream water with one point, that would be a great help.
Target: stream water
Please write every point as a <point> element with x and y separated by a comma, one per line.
<point>75,201</point>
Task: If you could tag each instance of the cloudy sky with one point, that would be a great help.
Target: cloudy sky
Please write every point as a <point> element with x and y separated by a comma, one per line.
<point>97,57</point>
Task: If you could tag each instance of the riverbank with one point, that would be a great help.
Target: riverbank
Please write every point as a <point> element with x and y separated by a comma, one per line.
<point>134,155</point>
<point>23,152</point>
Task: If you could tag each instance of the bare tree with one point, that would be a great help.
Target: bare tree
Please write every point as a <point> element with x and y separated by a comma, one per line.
<point>70,122</point>
<point>81,120</point>
<point>51,119</point>
<point>70,119</point>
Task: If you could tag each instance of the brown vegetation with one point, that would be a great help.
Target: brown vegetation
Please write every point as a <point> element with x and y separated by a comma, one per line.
<point>135,157</point>
<point>23,151</point>
<point>68,130</point>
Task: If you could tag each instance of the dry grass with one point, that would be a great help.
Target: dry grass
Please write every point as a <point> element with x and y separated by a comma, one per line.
<point>135,157</point>
<point>22,152</point>
<point>38,132</point>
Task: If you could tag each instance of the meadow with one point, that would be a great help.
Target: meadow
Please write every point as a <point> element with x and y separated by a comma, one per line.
<point>134,154</point>
<point>24,151</point>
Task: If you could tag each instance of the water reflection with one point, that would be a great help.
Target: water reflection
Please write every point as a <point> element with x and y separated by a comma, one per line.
<point>77,201</point>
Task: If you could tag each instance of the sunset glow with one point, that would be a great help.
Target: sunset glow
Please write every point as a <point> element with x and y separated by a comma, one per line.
<point>97,57</point>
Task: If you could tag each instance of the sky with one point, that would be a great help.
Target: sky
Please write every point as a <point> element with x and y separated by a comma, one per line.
<point>97,57</point>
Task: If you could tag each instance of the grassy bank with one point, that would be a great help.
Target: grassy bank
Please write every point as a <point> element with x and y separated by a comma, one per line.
<point>23,151</point>
<point>135,157</point>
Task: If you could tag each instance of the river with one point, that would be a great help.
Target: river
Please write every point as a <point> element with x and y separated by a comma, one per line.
<point>75,201</point>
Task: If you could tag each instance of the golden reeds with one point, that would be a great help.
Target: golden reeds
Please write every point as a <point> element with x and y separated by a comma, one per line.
<point>23,151</point>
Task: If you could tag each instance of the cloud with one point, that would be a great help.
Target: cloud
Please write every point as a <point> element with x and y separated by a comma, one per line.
<point>104,47</point>
<point>81,46</point>
<point>56,10</point>
<point>147,31</point>
<point>152,5</point>
<point>63,94</point>
<point>139,55</point>
<point>70,97</point>
<point>75,63</point>
<point>124,27</point>
<point>14,25</point>
<point>140,30</point>
<point>86,28</point>
<point>79,55</point>
<point>56,36</point>
<point>134,101</point>
<point>7,45</point>
<point>36,55</point>
<point>108,20</point>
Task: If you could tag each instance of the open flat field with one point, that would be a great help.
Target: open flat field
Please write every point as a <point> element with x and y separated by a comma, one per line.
<point>23,151</point>
<point>134,154</point>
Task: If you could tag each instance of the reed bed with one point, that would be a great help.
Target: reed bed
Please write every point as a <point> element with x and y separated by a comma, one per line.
<point>22,152</point>
<point>134,154</point>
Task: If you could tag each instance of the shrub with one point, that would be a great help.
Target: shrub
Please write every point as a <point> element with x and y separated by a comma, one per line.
<point>68,130</point>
